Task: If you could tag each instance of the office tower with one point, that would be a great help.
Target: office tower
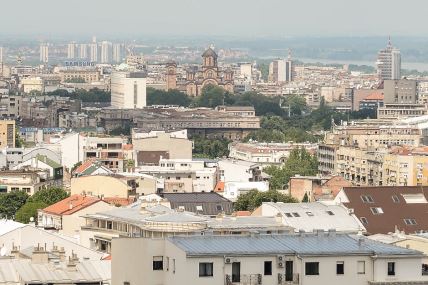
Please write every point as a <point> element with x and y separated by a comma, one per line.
<point>128,90</point>
<point>277,71</point>
<point>117,53</point>
<point>83,51</point>
<point>44,53</point>
<point>289,68</point>
<point>93,49</point>
<point>71,50</point>
<point>105,52</point>
<point>389,63</point>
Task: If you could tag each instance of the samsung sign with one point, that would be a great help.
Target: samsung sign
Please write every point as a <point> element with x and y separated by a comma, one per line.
<point>79,63</point>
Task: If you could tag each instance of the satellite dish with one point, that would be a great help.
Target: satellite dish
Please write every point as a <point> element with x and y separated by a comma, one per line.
<point>3,251</point>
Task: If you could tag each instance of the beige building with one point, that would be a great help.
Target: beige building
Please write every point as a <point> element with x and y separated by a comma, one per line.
<point>406,167</point>
<point>151,146</point>
<point>104,186</point>
<point>86,75</point>
<point>7,133</point>
<point>398,111</point>
<point>265,259</point>
<point>29,181</point>
<point>33,84</point>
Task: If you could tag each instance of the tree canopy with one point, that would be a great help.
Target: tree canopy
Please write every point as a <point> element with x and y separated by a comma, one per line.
<point>170,97</point>
<point>11,202</point>
<point>28,211</point>
<point>209,148</point>
<point>254,199</point>
<point>49,196</point>
<point>299,162</point>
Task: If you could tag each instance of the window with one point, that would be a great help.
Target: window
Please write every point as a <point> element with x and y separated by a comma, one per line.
<point>364,220</point>
<point>219,208</point>
<point>268,268</point>
<point>340,267</point>
<point>296,214</point>
<point>310,214</point>
<point>312,268</point>
<point>199,208</point>
<point>410,222</point>
<point>330,213</point>
<point>376,210</point>
<point>395,199</point>
<point>361,267</point>
<point>206,269</point>
<point>367,199</point>
<point>126,283</point>
<point>288,215</point>
<point>157,262</point>
<point>391,268</point>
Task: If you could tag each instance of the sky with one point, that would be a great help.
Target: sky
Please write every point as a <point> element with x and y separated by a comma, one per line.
<point>233,18</point>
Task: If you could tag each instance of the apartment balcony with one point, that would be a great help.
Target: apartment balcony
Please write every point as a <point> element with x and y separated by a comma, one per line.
<point>284,279</point>
<point>246,279</point>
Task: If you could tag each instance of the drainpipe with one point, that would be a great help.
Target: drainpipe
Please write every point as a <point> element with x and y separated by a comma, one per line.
<point>301,268</point>
<point>374,258</point>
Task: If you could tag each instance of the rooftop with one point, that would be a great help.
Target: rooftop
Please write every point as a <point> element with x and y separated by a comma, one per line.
<point>314,244</point>
<point>71,205</point>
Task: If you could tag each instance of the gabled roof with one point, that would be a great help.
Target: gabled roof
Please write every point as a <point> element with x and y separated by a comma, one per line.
<point>117,201</point>
<point>377,95</point>
<point>71,205</point>
<point>48,161</point>
<point>318,245</point>
<point>196,197</point>
<point>394,205</point>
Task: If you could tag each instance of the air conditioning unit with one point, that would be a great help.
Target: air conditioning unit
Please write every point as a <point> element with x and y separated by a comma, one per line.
<point>281,264</point>
<point>280,258</point>
<point>228,260</point>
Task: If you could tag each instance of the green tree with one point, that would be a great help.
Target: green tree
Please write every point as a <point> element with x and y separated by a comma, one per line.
<point>254,199</point>
<point>212,96</point>
<point>299,162</point>
<point>28,211</point>
<point>49,196</point>
<point>296,103</point>
<point>170,97</point>
<point>11,202</point>
<point>210,148</point>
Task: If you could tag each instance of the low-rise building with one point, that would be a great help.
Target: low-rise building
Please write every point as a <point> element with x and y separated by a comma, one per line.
<point>313,216</point>
<point>29,181</point>
<point>65,215</point>
<point>114,185</point>
<point>232,190</point>
<point>184,175</point>
<point>265,259</point>
<point>7,133</point>
<point>266,153</point>
<point>316,187</point>
<point>107,150</point>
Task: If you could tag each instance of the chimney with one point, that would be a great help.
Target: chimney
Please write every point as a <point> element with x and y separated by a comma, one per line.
<point>15,251</point>
<point>72,262</point>
<point>360,241</point>
<point>278,218</point>
<point>61,253</point>
<point>40,255</point>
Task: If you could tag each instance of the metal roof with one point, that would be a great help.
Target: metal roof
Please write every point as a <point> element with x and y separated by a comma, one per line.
<point>16,270</point>
<point>197,197</point>
<point>314,244</point>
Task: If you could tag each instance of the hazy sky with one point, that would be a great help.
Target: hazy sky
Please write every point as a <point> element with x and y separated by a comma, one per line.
<point>247,18</point>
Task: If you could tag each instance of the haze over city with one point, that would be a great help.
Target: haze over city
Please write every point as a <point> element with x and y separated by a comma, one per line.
<point>237,18</point>
<point>221,142</point>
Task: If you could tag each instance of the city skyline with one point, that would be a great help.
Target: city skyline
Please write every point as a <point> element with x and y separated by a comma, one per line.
<point>278,19</point>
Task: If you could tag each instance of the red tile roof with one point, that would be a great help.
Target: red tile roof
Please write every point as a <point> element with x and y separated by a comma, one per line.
<point>219,187</point>
<point>116,201</point>
<point>85,165</point>
<point>377,95</point>
<point>243,213</point>
<point>71,205</point>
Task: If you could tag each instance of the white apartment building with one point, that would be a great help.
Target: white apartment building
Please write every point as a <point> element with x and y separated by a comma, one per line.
<point>264,260</point>
<point>106,53</point>
<point>128,90</point>
<point>32,84</point>
<point>44,53</point>
<point>277,71</point>
<point>184,175</point>
<point>71,50</point>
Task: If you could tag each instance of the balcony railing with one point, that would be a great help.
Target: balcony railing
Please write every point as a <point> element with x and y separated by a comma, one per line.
<point>246,279</point>
<point>284,279</point>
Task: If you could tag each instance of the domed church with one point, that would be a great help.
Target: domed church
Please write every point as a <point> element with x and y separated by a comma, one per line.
<point>198,77</point>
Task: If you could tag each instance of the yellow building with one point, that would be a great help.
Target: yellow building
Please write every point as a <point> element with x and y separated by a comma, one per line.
<point>406,167</point>
<point>7,133</point>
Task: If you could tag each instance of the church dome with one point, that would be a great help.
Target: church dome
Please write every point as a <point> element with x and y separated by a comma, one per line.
<point>209,52</point>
